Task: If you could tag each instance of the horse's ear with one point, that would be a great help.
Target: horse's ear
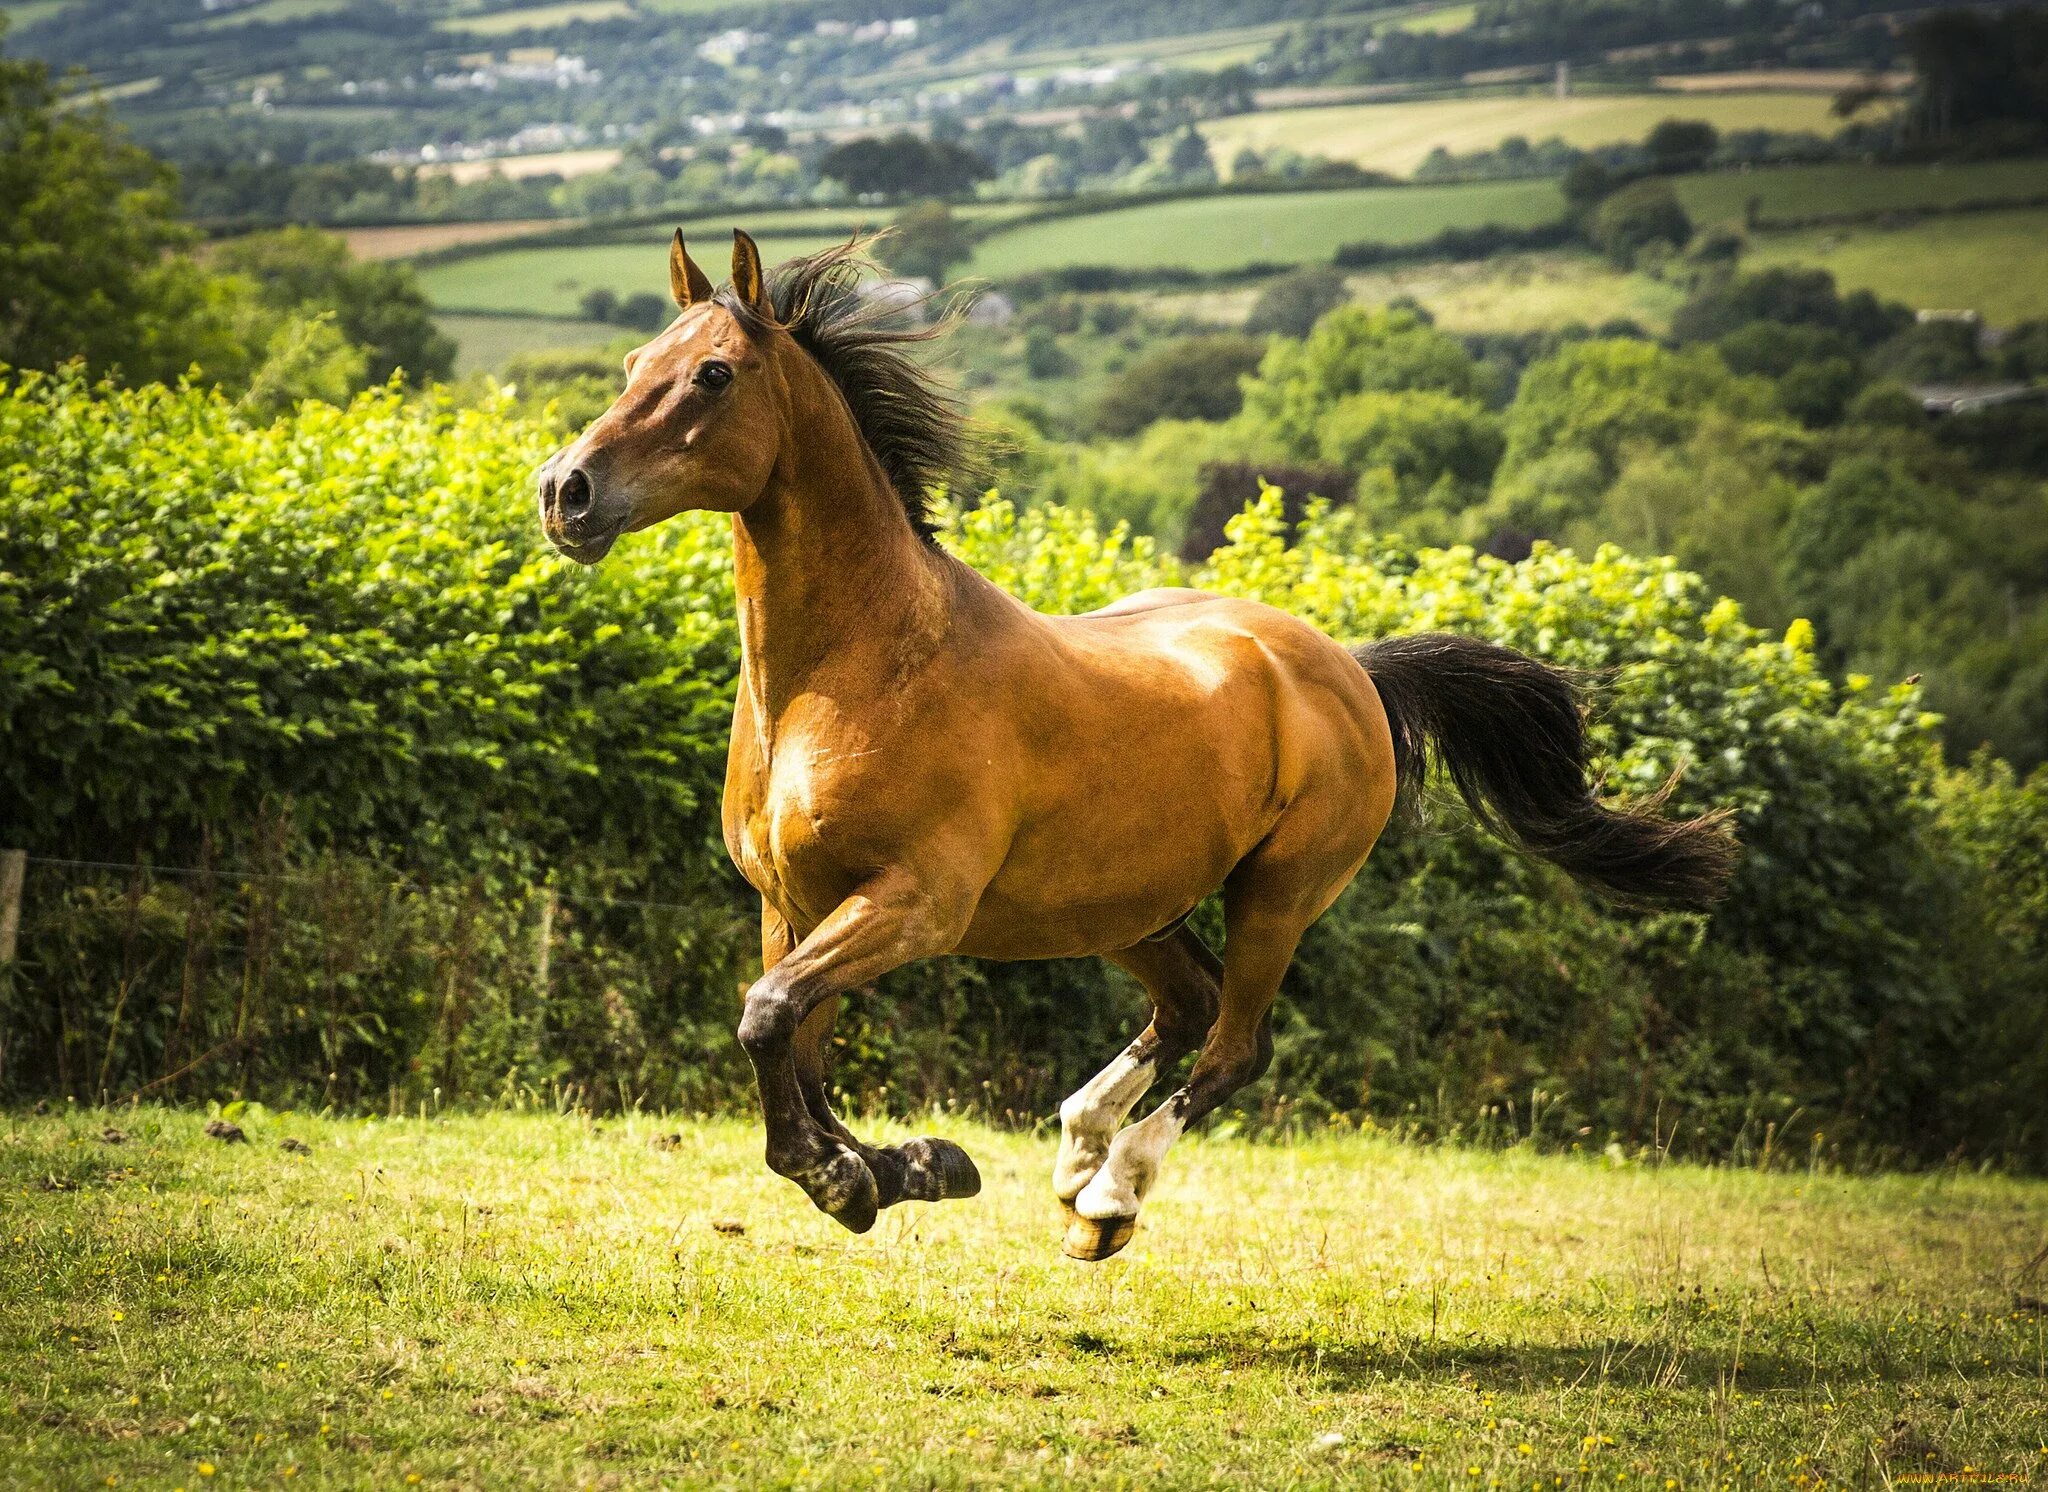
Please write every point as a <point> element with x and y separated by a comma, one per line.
<point>747,278</point>
<point>687,283</point>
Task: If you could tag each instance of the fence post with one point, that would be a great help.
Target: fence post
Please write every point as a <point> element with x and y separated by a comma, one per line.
<point>543,942</point>
<point>13,870</point>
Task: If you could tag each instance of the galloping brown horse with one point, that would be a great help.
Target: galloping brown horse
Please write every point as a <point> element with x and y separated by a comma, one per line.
<point>921,764</point>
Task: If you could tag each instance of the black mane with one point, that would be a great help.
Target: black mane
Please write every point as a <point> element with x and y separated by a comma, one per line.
<point>911,420</point>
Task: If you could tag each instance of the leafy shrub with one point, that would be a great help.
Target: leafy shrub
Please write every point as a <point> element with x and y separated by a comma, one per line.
<point>329,662</point>
<point>1631,220</point>
<point>1192,378</point>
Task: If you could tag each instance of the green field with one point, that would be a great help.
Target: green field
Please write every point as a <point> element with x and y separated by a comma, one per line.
<point>272,10</point>
<point>1395,137</point>
<point>1802,191</point>
<point>1994,263</point>
<point>1213,233</point>
<point>537,17</point>
<point>22,13</point>
<point>1440,21</point>
<point>551,282</point>
<point>484,344</point>
<point>554,1302</point>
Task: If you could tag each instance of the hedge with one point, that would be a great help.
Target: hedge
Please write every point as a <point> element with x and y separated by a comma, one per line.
<point>325,671</point>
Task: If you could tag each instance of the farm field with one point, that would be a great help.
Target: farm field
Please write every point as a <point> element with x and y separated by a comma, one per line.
<point>552,281</point>
<point>404,240</point>
<point>1994,263</point>
<point>1788,191</point>
<point>537,17</point>
<point>484,344</point>
<point>548,1301</point>
<point>1507,293</point>
<point>563,163</point>
<point>1396,137</point>
<point>1212,233</point>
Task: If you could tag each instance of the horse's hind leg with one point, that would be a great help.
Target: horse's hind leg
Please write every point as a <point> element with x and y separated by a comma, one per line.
<point>1181,976</point>
<point>1260,944</point>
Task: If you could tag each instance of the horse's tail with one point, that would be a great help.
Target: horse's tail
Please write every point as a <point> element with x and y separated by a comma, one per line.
<point>1508,729</point>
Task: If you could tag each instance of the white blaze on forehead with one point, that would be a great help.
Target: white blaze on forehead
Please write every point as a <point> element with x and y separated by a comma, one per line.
<point>1133,1163</point>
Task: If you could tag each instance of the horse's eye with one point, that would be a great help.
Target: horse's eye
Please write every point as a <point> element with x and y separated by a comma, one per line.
<point>715,376</point>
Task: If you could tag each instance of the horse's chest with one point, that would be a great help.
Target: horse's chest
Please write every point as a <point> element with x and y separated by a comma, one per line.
<point>788,826</point>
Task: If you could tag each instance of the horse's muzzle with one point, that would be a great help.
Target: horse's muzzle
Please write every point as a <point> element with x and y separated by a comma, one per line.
<point>572,517</point>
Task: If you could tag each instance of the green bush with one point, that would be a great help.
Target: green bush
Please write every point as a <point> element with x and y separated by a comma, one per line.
<point>329,661</point>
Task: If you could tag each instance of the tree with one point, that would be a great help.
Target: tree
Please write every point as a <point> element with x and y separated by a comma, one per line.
<point>1227,486</point>
<point>1421,437</point>
<point>1188,158</point>
<point>927,242</point>
<point>1354,349</point>
<point>1605,396</point>
<point>91,249</point>
<point>1293,303</point>
<point>1193,378</point>
<point>378,307</point>
<point>1630,220</point>
<point>1790,296</point>
<point>1681,144</point>
<point>902,165</point>
<point>1586,183</point>
<point>1043,357</point>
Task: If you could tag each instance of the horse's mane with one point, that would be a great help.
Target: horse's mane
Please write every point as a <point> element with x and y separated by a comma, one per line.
<point>910,418</point>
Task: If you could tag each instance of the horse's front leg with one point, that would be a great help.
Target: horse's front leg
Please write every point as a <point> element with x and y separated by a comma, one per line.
<point>889,923</point>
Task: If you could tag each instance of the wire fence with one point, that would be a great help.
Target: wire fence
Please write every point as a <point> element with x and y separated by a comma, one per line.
<point>331,981</point>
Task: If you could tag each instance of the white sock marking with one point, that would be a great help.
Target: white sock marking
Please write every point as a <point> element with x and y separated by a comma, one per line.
<point>1133,1163</point>
<point>1089,1120</point>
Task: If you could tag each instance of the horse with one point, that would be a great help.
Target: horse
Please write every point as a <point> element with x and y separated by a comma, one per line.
<point>922,765</point>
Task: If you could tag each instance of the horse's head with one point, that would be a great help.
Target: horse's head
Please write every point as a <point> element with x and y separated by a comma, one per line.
<point>697,426</point>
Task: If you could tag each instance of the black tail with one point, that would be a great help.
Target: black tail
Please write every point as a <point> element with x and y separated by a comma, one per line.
<point>1509,732</point>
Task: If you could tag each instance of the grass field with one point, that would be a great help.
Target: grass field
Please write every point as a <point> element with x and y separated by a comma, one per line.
<point>1995,263</point>
<point>1395,137</point>
<point>537,17</point>
<point>563,163</point>
<point>551,281</point>
<point>404,240</point>
<point>1508,293</point>
<point>540,1301</point>
<point>1802,191</point>
<point>1210,233</point>
<point>484,344</point>
<point>1441,21</point>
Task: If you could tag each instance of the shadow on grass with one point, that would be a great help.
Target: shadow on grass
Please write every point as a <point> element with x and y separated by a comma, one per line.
<point>1507,1366</point>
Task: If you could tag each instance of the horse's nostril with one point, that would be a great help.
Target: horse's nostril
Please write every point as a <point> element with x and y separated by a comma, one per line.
<point>574,495</point>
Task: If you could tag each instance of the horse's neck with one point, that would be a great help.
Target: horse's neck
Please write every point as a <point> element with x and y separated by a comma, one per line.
<point>835,588</point>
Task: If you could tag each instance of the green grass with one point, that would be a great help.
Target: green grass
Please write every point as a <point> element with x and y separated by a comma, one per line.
<point>1804,191</point>
<point>1995,263</point>
<point>551,281</point>
<point>22,13</point>
<point>1441,21</point>
<point>1395,137</point>
<point>538,1301</point>
<point>1211,233</point>
<point>272,10</point>
<point>537,17</point>
<point>484,344</point>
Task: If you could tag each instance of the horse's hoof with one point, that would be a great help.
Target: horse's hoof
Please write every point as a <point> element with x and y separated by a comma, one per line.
<point>844,1189</point>
<point>1095,1239</point>
<point>937,1171</point>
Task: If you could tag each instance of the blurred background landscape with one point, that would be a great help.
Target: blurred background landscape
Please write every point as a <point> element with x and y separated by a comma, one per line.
<point>1703,345</point>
